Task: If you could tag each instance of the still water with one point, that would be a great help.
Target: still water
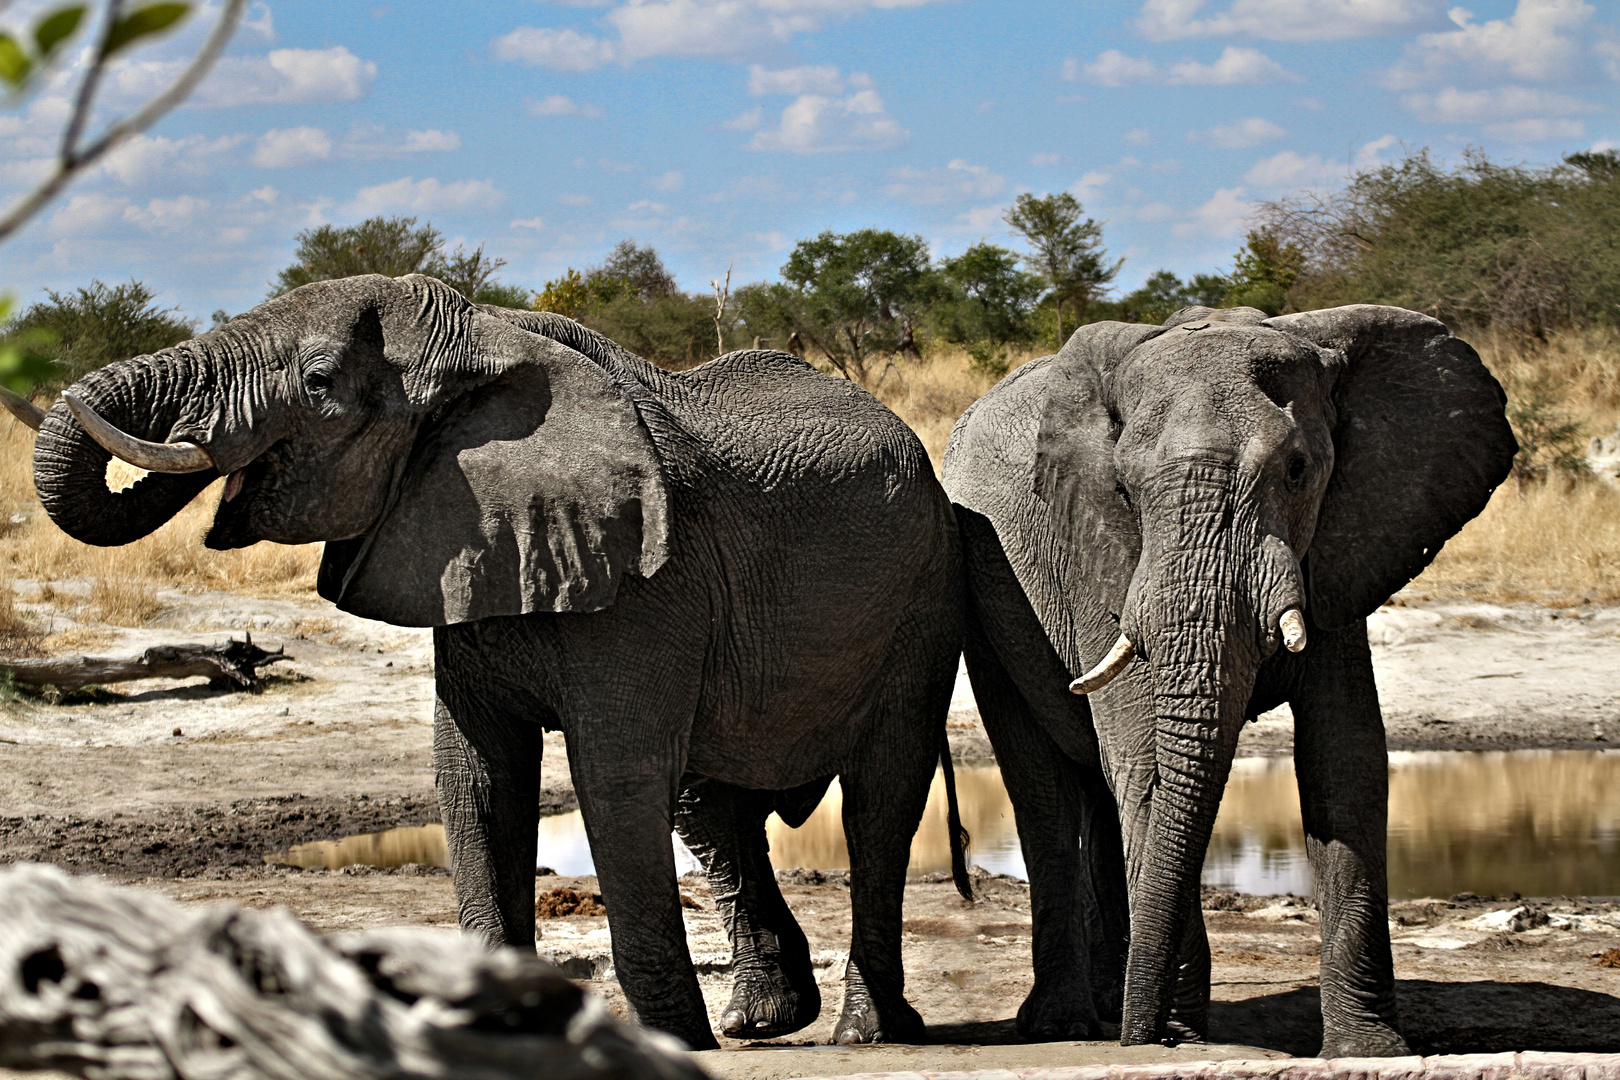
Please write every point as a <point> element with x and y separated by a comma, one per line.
<point>1537,822</point>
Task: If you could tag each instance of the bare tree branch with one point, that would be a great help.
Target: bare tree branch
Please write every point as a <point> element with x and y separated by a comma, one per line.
<point>71,161</point>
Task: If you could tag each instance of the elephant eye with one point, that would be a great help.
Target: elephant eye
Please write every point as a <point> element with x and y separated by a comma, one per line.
<point>1296,470</point>
<point>317,380</point>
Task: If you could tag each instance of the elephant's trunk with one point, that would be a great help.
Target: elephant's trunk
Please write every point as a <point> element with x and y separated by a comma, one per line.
<point>1198,623</point>
<point>143,397</point>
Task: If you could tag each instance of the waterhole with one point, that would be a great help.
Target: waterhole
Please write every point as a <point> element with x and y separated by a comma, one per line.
<point>1537,822</point>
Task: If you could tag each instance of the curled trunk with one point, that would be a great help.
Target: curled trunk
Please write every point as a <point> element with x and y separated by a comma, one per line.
<point>143,397</point>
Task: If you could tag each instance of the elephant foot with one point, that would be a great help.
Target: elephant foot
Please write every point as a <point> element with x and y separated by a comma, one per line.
<point>1366,1040</point>
<point>1058,1011</point>
<point>863,1021</point>
<point>767,1002</point>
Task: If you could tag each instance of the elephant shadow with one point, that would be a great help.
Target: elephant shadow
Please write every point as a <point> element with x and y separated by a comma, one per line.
<point>1438,1018</point>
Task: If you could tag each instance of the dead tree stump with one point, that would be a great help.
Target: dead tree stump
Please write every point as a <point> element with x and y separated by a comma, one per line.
<point>118,983</point>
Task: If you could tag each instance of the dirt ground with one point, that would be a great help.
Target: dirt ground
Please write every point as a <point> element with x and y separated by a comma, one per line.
<point>186,789</point>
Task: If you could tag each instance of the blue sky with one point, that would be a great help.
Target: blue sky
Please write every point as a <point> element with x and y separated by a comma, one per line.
<point>721,131</point>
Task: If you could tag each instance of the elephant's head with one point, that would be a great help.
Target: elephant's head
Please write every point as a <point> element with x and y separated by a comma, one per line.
<point>458,465</point>
<point>1226,483</point>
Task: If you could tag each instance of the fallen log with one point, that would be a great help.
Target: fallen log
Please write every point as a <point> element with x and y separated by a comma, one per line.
<point>123,984</point>
<point>230,664</point>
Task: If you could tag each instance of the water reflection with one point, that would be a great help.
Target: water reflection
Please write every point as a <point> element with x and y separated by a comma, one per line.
<point>1539,822</point>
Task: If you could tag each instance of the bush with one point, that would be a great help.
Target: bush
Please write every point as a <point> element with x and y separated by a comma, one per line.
<point>95,326</point>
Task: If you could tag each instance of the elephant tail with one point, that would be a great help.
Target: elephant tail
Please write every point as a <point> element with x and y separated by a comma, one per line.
<point>953,822</point>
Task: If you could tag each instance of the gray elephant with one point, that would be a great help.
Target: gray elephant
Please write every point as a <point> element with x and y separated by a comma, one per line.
<point>740,580</point>
<point>1195,519</point>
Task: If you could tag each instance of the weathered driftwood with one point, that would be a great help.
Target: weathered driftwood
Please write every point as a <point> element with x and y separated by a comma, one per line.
<point>233,663</point>
<point>124,984</point>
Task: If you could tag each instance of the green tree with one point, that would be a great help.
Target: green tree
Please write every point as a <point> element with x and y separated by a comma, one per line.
<point>94,326</point>
<point>395,246</point>
<point>988,304</point>
<point>853,297</point>
<point>568,295</point>
<point>1263,271</point>
<point>1068,250</point>
<point>631,270</point>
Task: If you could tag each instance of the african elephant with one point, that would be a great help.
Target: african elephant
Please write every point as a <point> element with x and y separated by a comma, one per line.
<point>741,579</point>
<point>1195,519</point>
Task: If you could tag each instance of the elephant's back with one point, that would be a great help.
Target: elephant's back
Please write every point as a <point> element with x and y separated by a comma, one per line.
<point>771,420</point>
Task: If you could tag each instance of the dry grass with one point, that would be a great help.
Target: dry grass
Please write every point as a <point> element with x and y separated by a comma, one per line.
<point>1580,368</point>
<point>124,580</point>
<point>1556,542</point>
<point>932,394</point>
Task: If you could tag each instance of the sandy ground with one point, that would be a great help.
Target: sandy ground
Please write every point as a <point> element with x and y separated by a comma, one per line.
<point>186,789</point>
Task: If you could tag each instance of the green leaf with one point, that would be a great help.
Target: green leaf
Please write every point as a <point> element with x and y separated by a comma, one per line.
<point>14,63</point>
<point>140,23</point>
<point>55,28</point>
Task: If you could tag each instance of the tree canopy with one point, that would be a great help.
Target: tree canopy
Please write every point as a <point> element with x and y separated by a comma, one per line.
<point>395,246</point>
<point>96,325</point>
<point>989,306</point>
<point>1068,249</point>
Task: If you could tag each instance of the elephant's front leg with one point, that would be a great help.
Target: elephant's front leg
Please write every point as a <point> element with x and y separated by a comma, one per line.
<point>774,990</point>
<point>628,803</point>
<point>1343,771</point>
<point>486,767</point>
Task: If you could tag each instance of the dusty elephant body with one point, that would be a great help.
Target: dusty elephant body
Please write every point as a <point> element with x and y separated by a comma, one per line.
<point>741,579</point>
<point>1199,517</point>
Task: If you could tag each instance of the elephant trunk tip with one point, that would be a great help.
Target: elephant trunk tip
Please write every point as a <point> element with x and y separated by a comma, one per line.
<point>179,457</point>
<point>1107,669</point>
<point>1292,626</point>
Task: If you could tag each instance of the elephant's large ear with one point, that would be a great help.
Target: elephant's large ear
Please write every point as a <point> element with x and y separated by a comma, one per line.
<point>1075,473</point>
<point>1420,443</point>
<point>535,489</point>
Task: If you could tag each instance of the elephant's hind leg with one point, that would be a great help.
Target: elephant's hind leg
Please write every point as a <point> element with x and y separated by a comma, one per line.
<point>774,990</point>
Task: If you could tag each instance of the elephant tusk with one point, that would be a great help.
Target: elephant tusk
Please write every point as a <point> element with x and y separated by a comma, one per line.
<point>1292,625</point>
<point>180,457</point>
<point>1107,668</point>
<point>22,408</point>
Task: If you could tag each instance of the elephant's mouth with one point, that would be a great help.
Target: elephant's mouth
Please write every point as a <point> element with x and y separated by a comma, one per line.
<point>247,491</point>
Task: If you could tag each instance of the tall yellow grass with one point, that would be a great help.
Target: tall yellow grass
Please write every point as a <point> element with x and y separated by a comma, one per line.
<point>124,580</point>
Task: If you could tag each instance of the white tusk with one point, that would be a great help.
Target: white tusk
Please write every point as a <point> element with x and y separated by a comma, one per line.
<point>1107,669</point>
<point>22,408</point>
<point>180,457</point>
<point>1292,625</point>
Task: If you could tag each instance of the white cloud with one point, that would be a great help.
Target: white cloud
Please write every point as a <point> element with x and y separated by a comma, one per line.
<point>535,223</point>
<point>1043,160</point>
<point>1282,20</point>
<point>145,156</point>
<point>1291,170</point>
<point>1089,187</point>
<point>281,77</point>
<point>431,141</point>
<point>425,195</point>
<point>560,50</point>
<point>1138,136</point>
<point>1235,66</point>
<point>1112,68</point>
<point>560,105</point>
<point>822,79</point>
<point>956,182</point>
<point>1537,130</point>
<point>748,121</point>
<point>1155,211</point>
<point>1454,106</point>
<point>1542,40</point>
<point>167,215</point>
<point>288,148</point>
<point>669,181</point>
<point>575,200</point>
<point>821,122</point>
<point>719,29</point>
<point>1241,134</point>
<point>1222,217</point>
